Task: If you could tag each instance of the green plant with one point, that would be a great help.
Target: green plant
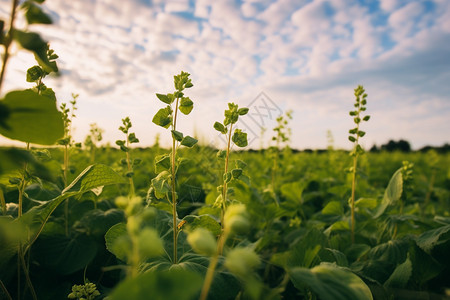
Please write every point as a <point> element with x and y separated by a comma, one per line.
<point>91,142</point>
<point>239,138</point>
<point>282,135</point>
<point>87,291</point>
<point>125,147</point>
<point>167,165</point>
<point>355,135</point>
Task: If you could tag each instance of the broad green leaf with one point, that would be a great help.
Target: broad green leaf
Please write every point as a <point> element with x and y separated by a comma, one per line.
<point>186,105</point>
<point>165,98</point>
<point>240,138</point>
<point>331,282</point>
<point>400,277</point>
<point>174,284</point>
<point>431,238</point>
<point>64,254</point>
<point>219,127</point>
<point>34,73</point>
<point>240,164</point>
<point>96,222</point>
<point>35,15</point>
<point>14,159</point>
<point>392,193</point>
<point>31,118</point>
<point>204,221</point>
<point>337,226</point>
<point>30,40</point>
<point>118,242</point>
<point>163,117</point>
<point>189,141</point>
<point>161,185</point>
<point>92,177</point>
<point>333,208</point>
<point>177,135</point>
<point>162,163</point>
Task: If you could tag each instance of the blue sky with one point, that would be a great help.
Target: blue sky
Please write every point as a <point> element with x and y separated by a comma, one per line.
<point>272,56</point>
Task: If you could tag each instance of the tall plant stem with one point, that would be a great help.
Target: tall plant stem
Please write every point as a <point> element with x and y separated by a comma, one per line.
<point>130,169</point>
<point>355,160</point>
<point>212,266</point>
<point>174,195</point>
<point>225,185</point>
<point>8,41</point>
<point>22,186</point>
<point>66,204</point>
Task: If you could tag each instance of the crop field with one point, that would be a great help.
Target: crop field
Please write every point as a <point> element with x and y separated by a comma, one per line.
<point>189,221</point>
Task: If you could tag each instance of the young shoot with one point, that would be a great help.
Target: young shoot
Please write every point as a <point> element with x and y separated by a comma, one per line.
<point>282,136</point>
<point>355,135</point>
<point>92,140</point>
<point>239,138</point>
<point>125,147</point>
<point>166,165</point>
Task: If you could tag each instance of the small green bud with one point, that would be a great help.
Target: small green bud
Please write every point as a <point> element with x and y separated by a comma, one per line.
<point>133,225</point>
<point>202,241</point>
<point>242,261</point>
<point>236,219</point>
<point>121,202</point>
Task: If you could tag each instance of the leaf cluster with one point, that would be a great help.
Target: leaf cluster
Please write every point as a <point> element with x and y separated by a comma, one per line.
<point>360,107</point>
<point>231,117</point>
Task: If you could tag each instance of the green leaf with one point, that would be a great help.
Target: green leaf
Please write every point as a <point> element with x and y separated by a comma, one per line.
<point>431,238</point>
<point>132,138</point>
<point>331,282</point>
<point>240,138</point>
<point>243,111</point>
<point>92,177</point>
<point>165,98</point>
<point>189,141</point>
<point>64,254</point>
<point>186,105</point>
<point>35,15</point>
<point>30,40</point>
<point>236,173</point>
<point>161,185</point>
<point>366,118</point>
<point>162,163</point>
<point>227,177</point>
<point>400,277</point>
<point>34,73</point>
<point>203,221</point>
<point>117,241</point>
<point>177,135</point>
<point>174,284</point>
<point>240,164</point>
<point>219,127</point>
<point>392,193</point>
<point>31,118</point>
<point>333,208</point>
<point>163,117</point>
<point>351,139</point>
<point>361,133</point>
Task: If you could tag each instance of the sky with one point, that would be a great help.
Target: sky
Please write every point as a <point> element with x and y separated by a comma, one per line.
<point>268,55</point>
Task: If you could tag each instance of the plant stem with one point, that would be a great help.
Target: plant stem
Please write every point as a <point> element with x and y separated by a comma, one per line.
<point>225,185</point>
<point>355,160</point>
<point>130,169</point>
<point>23,184</point>
<point>5,291</point>
<point>212,266</point>
<point>174,196</point>
<point>8,41</point>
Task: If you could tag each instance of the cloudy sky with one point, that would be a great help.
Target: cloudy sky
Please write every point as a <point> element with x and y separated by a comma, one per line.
<point>269,55</point>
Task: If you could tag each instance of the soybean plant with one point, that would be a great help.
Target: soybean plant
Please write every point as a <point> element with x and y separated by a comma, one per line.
<point>125,147</point>
<point>239,138</point>
<point>95,136</point>
<point>355,134</point>
<point>282,135</point>
<point>166,165</point>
